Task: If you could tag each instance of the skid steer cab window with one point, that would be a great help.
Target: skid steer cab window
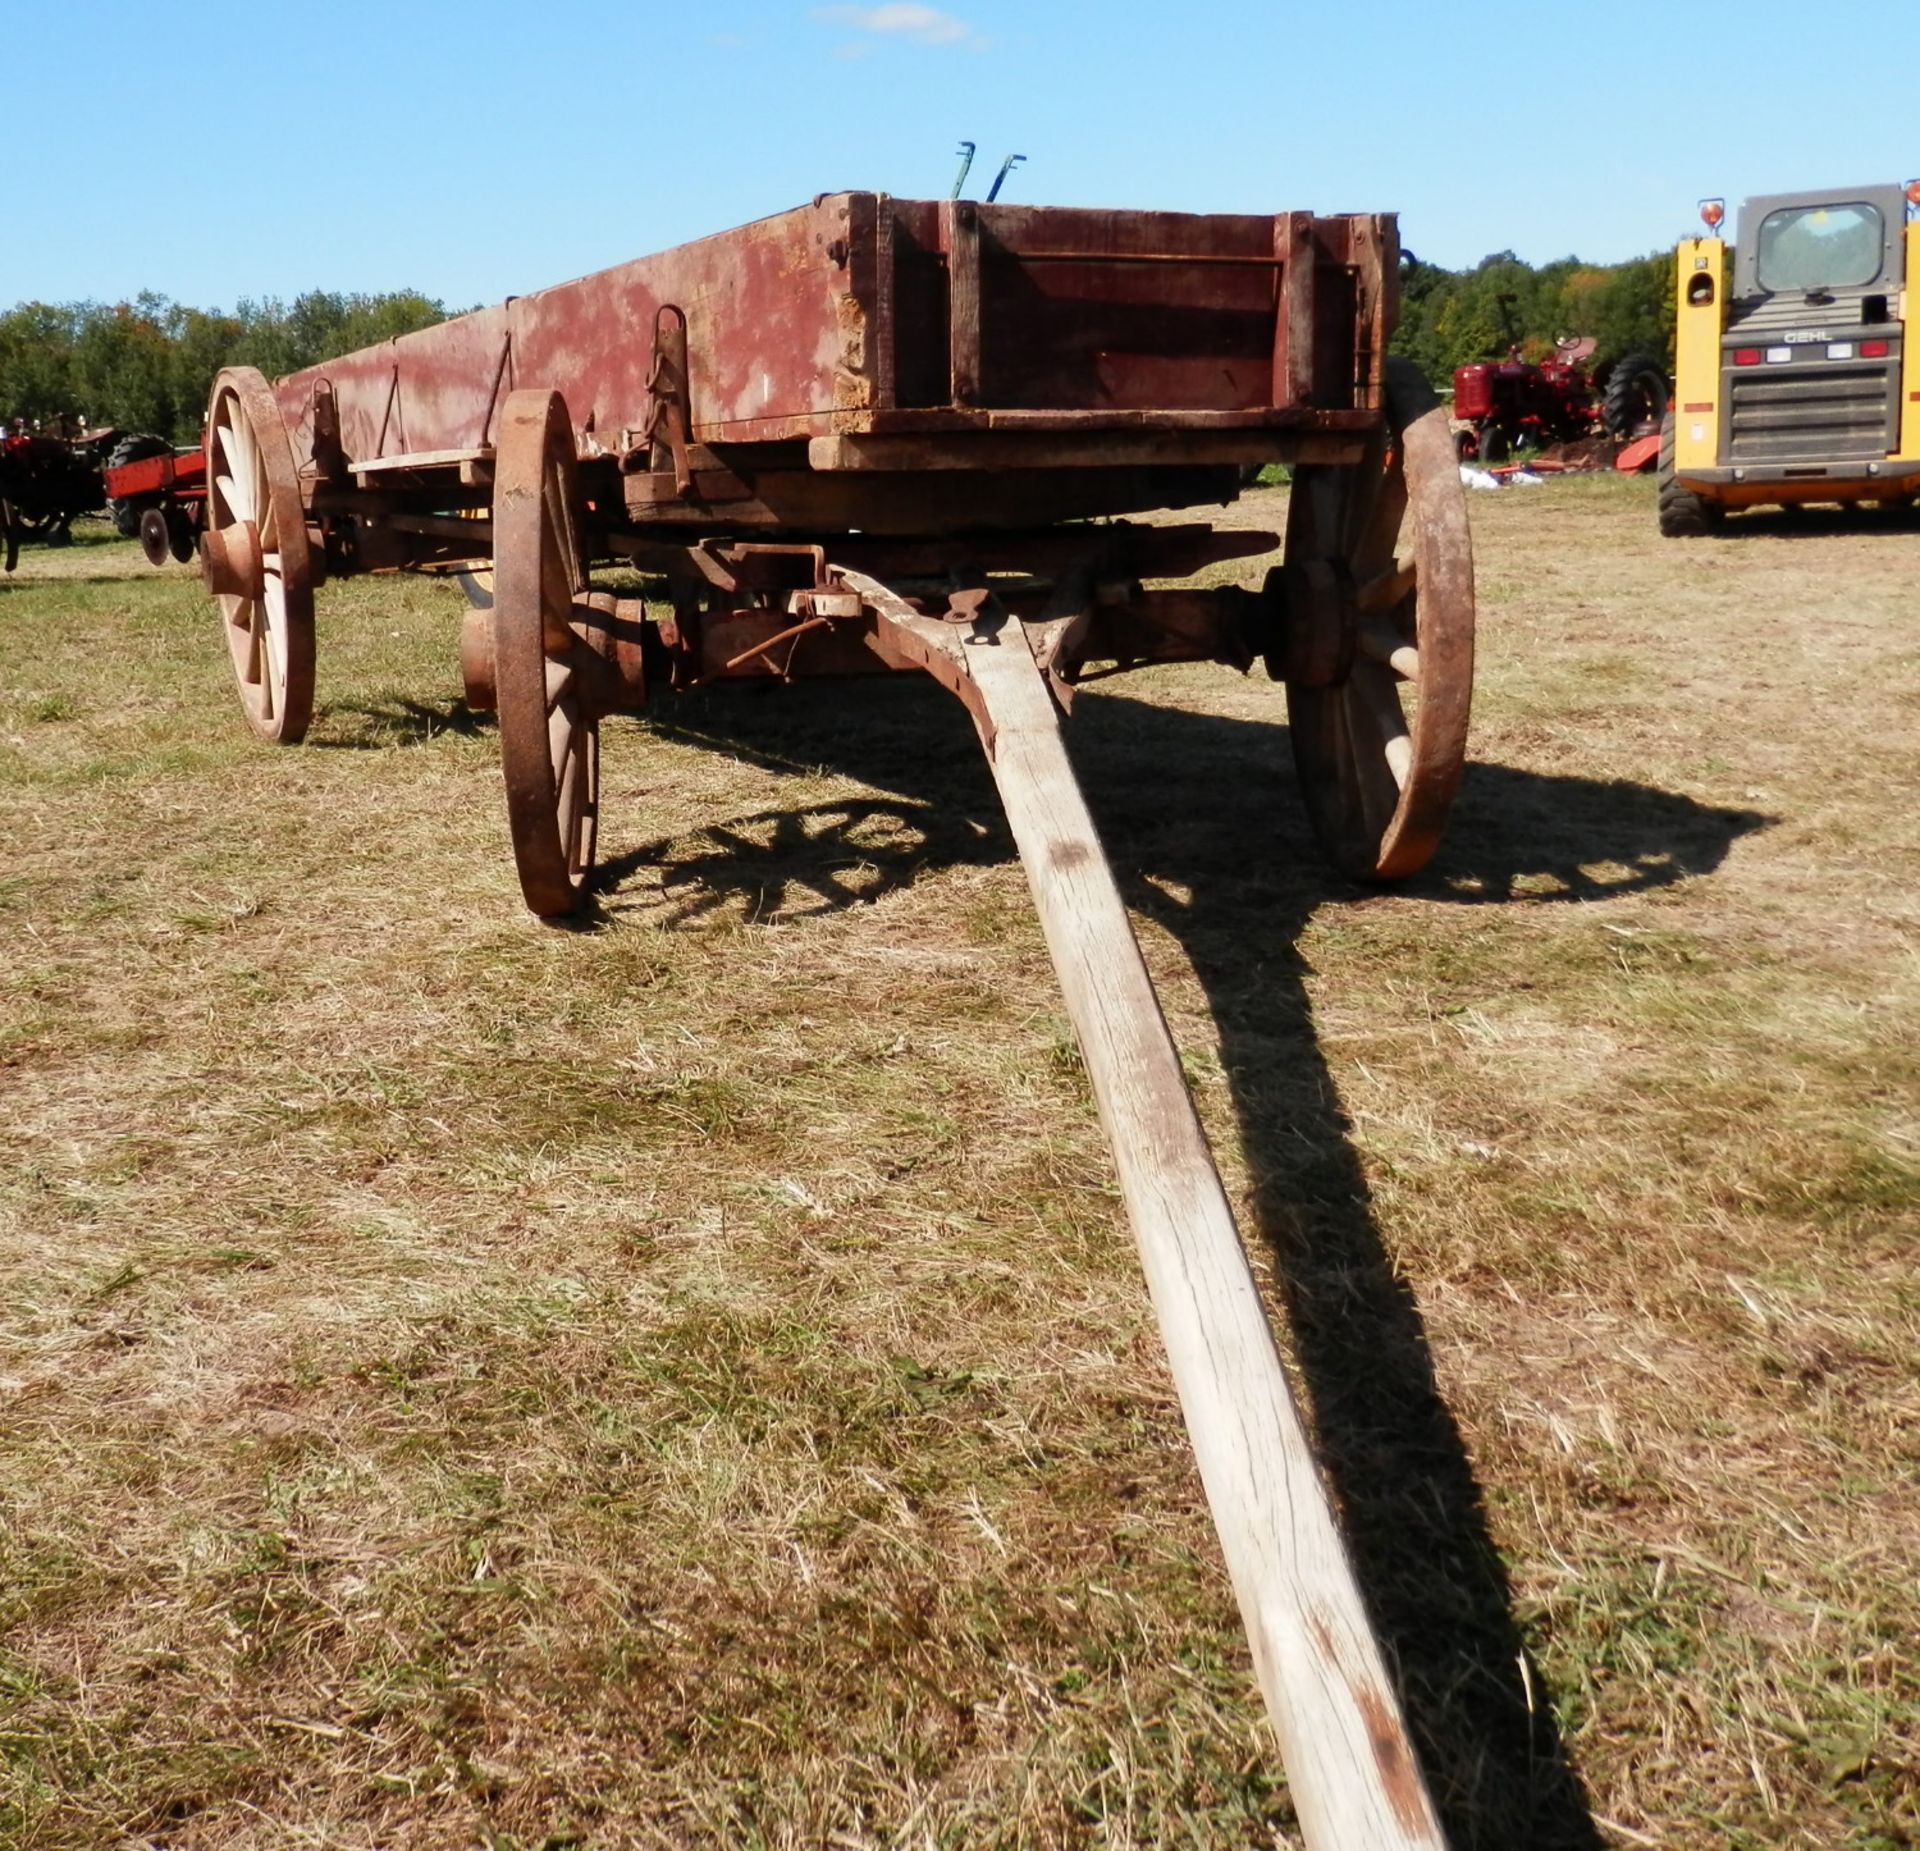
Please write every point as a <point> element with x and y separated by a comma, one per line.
<point>1820,247</point>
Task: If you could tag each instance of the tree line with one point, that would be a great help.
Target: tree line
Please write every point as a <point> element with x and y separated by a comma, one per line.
<point>1450,318</point>
<point>146,365</point>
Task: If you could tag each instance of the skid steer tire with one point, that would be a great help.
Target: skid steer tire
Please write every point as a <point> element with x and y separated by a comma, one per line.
<point>1683,514</point>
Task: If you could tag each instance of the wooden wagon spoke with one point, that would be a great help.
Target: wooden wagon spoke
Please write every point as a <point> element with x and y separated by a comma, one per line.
<point>566,771</point>
<point>246,468</point>
<point>273,622</point>
<point>1389,588</point>
<point>562,726</point>
<point>1386,724</point>
<point>1382,640</point>
<point>557,489</point>
<point>1375,526</point>
<point>229,478</point>
<point>248,655</point>
<point>1375,794</point>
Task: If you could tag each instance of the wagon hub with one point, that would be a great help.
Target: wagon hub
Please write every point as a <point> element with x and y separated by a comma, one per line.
<point>1316,620</point>
<point>231,563</point>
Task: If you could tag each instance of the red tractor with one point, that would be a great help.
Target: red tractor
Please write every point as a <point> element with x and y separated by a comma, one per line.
<point>47,480</point>
<point>1500,406</point>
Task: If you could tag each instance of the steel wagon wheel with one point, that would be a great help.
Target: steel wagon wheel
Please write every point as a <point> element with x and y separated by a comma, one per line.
<point>254,555</point>
<point>549,730</point>
<point>1381,738</point>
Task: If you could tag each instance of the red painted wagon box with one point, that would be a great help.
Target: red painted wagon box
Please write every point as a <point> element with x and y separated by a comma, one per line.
<point>862,315</point>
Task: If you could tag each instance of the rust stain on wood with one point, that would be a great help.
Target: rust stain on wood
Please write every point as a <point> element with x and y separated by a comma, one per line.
<point>1399,1778</point>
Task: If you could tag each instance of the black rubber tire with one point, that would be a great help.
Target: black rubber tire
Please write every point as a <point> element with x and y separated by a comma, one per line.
<point>180,535</point>
<point>1636,396</point>
<point>155,542</point>
<point>125,512</point>
<point>1683,514</point>
<point>1494,443</point>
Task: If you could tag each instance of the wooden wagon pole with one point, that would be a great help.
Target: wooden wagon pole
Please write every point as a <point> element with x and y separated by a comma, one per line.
<point>1355,1782</point>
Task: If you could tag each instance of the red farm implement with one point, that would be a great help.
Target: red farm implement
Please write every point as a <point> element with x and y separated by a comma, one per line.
<point>876,435</point>
<point>159,495</point>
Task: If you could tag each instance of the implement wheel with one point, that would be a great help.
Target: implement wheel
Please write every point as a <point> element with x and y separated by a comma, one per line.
<point>254,558</point>
<point>1379,720</point>
<point>549,730</point>
<point>156,539</point>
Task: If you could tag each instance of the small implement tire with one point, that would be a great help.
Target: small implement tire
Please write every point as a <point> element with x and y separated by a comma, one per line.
<point>156,543</point>
<point>1683,514</point>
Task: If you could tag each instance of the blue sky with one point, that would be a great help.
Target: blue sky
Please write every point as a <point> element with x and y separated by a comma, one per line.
<point>212,150</point>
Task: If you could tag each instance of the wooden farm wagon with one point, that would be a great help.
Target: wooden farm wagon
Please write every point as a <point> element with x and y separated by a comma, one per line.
<point>873,435</point>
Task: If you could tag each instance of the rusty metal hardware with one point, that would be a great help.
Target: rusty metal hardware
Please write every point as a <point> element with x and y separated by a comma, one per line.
<point>230,562</point>
<point>669,421</point>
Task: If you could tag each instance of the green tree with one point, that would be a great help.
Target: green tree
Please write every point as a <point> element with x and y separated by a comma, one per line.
<point>1450,318</point>
<point>36,360</point>
<point>148,364</point>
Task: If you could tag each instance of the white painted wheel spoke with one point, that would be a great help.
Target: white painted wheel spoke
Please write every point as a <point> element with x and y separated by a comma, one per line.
<point>1388,590</point>
<point>274,607</point>
<point>237,483</point>
<point>1384,641</point>
<point>1382,704</point>
<point>243,435</point>
<point>239,449</point>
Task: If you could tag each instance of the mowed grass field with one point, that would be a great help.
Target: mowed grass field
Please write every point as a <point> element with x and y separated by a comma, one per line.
<point>687,1381</point>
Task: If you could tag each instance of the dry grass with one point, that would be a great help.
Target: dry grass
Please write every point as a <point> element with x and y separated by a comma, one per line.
<point>686,1381</point>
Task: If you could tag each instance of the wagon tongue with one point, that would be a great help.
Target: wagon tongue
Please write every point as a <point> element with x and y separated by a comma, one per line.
<point>1351,1772</point>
